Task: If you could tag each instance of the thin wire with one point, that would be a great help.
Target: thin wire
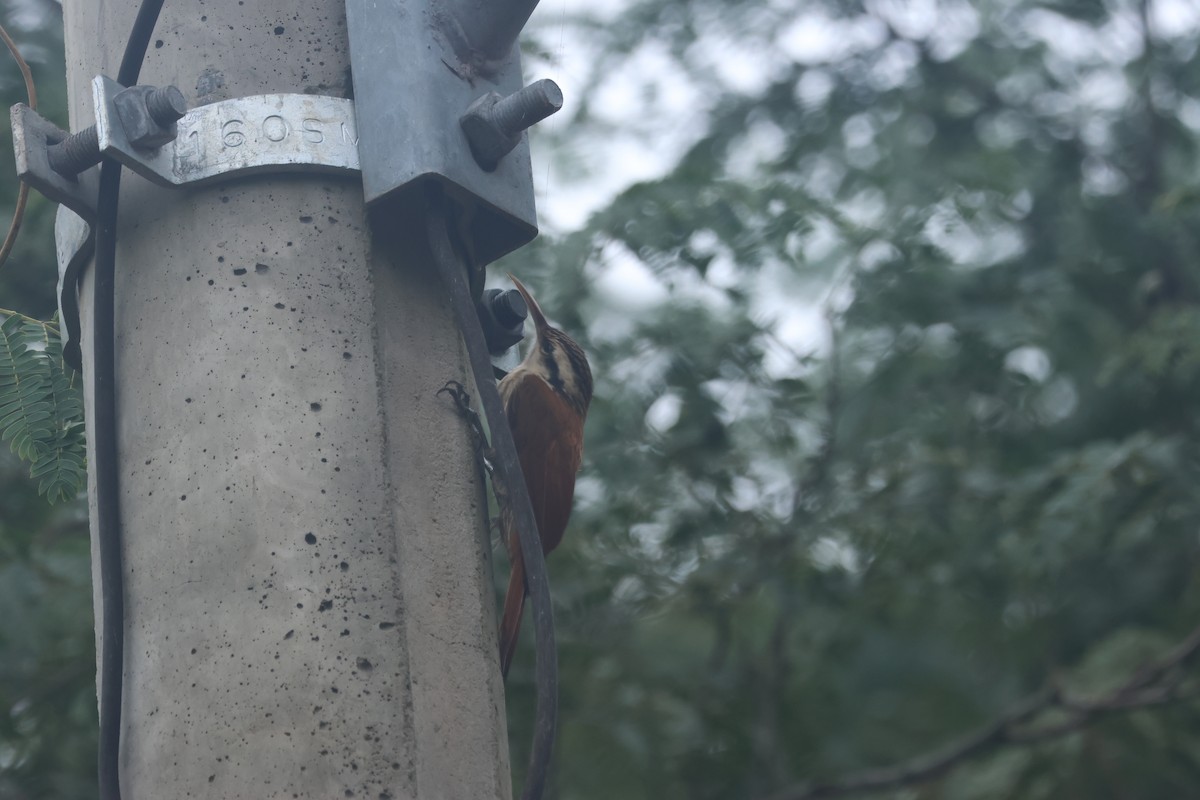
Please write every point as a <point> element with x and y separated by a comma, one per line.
<point>23,190</point>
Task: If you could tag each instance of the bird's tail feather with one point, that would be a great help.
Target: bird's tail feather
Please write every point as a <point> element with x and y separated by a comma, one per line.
<point>510,621</point>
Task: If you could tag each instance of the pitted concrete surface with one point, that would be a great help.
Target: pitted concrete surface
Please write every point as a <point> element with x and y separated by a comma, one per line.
<point>308,599</point>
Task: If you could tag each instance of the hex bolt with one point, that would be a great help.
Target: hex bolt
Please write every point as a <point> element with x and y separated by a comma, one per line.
<point>167,105</point>
<point>493,124</point>
<point>148,115</point>
<point>76,153</point>
<point>527,107</point>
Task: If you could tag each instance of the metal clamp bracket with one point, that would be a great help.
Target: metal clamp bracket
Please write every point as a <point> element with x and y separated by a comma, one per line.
<point>220,141</point>
<point>216,142</point>
<point>246,135</point>
<point>242,136</point>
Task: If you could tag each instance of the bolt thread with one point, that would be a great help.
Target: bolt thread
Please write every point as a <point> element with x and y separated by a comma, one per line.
<point>166,105</point>
<point>76,153</point>
<point>527,107</point>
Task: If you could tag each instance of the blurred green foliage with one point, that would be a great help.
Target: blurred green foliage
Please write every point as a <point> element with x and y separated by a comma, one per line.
<point>795,560</point>
<point>796,557</point>
<point>47,650</point>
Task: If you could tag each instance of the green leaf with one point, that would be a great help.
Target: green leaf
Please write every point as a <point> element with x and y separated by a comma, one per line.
<point>40,409</point>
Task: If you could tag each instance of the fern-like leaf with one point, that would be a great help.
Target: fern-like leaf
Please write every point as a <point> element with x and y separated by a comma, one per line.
<point>63,467</point>
<point>41,415</point>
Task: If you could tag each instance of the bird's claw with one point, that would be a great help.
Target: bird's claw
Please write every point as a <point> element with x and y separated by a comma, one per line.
<point>462,399</point>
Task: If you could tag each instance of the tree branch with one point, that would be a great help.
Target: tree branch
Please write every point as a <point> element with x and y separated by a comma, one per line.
<point>1156,683</point>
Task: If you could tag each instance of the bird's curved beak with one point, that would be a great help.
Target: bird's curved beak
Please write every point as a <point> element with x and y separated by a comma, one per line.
<point>539,319</point>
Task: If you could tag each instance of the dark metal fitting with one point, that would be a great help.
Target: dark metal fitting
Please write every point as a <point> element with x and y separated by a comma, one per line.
<point>148,114</point>
<point>494,124</point>
<point>509,307</point>
<point>502,313</point>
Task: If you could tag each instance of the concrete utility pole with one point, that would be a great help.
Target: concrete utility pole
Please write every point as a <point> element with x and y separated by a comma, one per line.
<point>309,609</point>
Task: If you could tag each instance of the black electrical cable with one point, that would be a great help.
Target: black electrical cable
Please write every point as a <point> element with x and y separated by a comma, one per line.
<point>104,422</point>
<point>139,42</point>
<point>510,484</point>
<point>108,517</point>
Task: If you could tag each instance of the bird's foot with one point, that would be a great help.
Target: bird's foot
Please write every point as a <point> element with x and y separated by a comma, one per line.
<point>462,400</point>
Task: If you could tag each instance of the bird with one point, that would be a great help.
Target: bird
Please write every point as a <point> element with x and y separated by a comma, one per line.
<point>546,399</point>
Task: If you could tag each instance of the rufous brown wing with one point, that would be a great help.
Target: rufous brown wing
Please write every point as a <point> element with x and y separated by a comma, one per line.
<point>545,400</point>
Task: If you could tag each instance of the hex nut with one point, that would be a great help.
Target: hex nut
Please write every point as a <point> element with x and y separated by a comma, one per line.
<point>148,115</point>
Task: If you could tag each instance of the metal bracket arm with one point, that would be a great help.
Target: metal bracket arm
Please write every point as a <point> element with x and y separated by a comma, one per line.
<point>33,135</point>
<point>439,94</point>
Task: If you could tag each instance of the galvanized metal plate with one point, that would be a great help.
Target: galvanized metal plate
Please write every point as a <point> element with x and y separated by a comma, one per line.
<point>32,136</point>
<point>245,135</point>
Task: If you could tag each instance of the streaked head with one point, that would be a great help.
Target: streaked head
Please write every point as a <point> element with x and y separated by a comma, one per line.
<point>556,357</point>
